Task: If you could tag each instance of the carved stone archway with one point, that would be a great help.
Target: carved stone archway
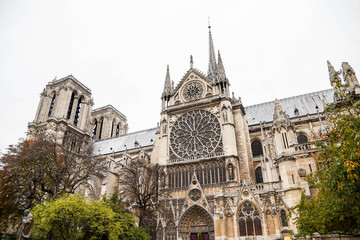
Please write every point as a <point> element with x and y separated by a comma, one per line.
<point>196,219</point>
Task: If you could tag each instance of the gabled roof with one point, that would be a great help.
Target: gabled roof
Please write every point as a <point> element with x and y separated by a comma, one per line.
<point>144,138</point>
<point>305,104</point>
<point>191,70</point>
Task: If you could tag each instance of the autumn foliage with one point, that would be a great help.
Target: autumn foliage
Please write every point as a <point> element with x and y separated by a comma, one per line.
<point>39,169</point>
<point>336,207</point>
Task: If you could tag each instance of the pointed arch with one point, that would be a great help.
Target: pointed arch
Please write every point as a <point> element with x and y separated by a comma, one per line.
<point>283,217</point>
<point>249,220</point>
<point>194,220</point>
<point>256,148</point>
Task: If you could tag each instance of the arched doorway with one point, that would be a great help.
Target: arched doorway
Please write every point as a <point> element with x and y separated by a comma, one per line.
<point>194,221</point>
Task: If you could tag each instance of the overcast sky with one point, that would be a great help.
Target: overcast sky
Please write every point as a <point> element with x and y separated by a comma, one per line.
<point>120,49</point>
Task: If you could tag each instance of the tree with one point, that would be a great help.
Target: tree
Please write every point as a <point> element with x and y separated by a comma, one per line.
<point>129,229</point>
<point>139,182</point>
<point>336,207</point>
<point>39,169</point>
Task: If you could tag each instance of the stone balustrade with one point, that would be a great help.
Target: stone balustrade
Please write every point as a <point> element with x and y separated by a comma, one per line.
<point>259,188</point>
<point>304,146</point>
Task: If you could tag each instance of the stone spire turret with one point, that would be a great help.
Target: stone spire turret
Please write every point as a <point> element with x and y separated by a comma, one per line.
<point>168,89</point>
<point>350,78</point>
<point>281,119</point>
<point>220,71</point>
<point>167,85</point>
<point>221,78</point>
<point>212,59</point>
<point>334,79</point>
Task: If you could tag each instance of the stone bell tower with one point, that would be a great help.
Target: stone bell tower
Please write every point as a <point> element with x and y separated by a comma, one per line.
<point>65,106</point>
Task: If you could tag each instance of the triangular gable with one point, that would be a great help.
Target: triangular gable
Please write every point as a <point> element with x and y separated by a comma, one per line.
<point>195,196</point>
<point>246,195</point>
<point>186,76</point>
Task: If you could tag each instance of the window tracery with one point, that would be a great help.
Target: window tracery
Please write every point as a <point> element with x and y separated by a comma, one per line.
<point>195,134</point>
<point>249,220</point>
<point>193,90</point>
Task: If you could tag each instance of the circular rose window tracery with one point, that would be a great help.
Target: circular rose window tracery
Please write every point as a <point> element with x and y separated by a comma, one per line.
<point>195,134</point>
<point>193,90</point>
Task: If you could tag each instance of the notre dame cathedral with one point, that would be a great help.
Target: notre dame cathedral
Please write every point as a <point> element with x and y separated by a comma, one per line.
<point>233,171</point>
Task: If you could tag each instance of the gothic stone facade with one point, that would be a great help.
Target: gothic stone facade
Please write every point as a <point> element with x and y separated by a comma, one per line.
<point>233,172</point>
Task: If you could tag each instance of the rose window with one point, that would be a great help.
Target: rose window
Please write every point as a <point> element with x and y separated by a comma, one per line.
<point>192,91</point>
<point>195,134</point>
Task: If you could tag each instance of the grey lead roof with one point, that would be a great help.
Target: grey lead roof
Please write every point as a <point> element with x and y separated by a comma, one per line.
<point>306,104</point>
<point>144,138</point>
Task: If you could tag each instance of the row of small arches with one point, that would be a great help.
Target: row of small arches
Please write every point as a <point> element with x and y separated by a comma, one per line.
<point>206,174</point>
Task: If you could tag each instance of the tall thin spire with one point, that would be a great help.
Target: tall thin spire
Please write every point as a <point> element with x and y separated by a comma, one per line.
<point>167,85</point>
<point>212,59</point>
<point>220,69</point>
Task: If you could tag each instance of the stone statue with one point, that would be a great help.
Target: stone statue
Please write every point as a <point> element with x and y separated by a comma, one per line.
<point>164,126</point>
<point>225,114</point>
<point>26,226</point>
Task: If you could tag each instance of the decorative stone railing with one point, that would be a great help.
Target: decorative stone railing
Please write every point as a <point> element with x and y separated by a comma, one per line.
<point>265,187</point>
<point>197,157</point>
<point>304,146</point>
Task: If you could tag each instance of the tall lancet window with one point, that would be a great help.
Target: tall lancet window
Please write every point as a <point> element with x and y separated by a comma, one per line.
<point>70,105</point>
<point>256,148</point>
<point>94,129</point>
<point>101,127</point>
<point>77,113</point>
<point>258,175</point>
<point>52,105</point>
<point>117,130</point>
<point>249,220</point>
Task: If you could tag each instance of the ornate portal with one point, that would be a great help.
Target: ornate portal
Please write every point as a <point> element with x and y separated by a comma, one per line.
<point>193,90</point>
<point>195,134</point>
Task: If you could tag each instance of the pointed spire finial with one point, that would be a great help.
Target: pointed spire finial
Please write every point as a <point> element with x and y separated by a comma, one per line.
<point>191,62</point>
<point>167,85</point>
<point>220,71</point>
<point>278,109</point>
<point>212,59</point>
